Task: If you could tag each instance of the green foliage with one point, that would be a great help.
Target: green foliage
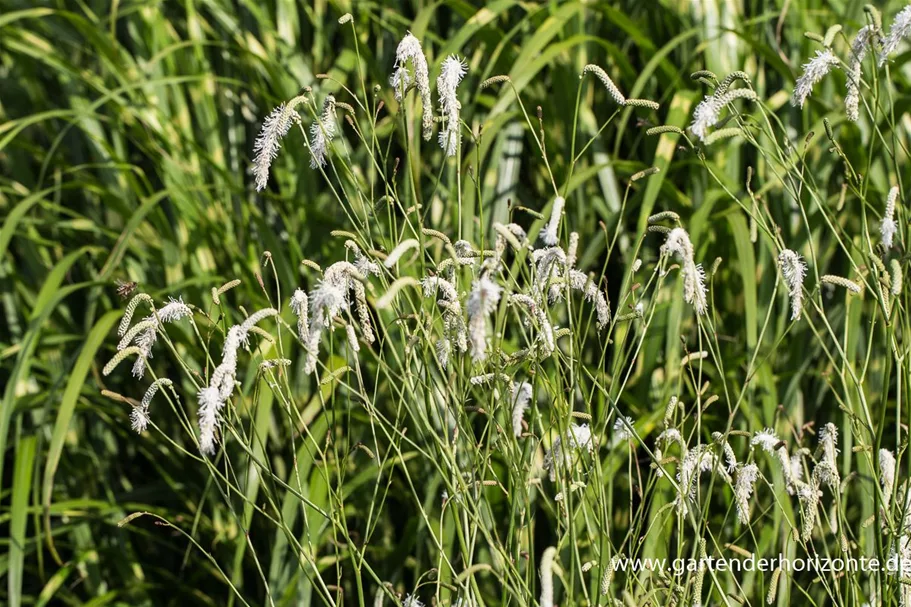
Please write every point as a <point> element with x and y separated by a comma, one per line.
<point>126,141</point>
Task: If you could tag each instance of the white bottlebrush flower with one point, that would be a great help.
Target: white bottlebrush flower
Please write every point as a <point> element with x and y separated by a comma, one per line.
<point>706,115</point>
<point>269,141</point>
<point>213,397</point>
<point>743,490</point>
<point>888,227</point>
<point>139,416</point>
<point>697,460</point>
<point>139,420</point>
<point>900,30</point>
<point>485,294</point>
<point>144,334</point>
<point>828,440</point>
<point>547,577</point>
<point>794,271</point>
<point>546,336</point>
<point>550,234</point>
<point>623,430</point>
<point>767,439</point>
<point>300,307</point>
<point>412,601</point>
<point>591,293</point>
<point>409,49</point>
<point>859,47</point>
<point>451,74</point>
<point>322,131</point>
<point>814,70</point>
<point>886,474</point>
<point>521,398</point>
<point>209,414</point>
<point>694,290</point>
<point>443,349</point>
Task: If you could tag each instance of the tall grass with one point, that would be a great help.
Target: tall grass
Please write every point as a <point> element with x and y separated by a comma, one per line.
<point>387,458</point>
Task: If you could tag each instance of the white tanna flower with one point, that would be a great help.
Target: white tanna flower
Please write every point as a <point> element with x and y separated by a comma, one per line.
<point>622,431</point>
<point>591,293</point>
<point>767,439</point>
<point>814,70</point>
<point>144,334</point>
<point>696,461</point>
<point>409,49</point>
<point>269,141</point>
<point>828,440</point>
<point>706,115</point>
<point>886,474</point>
<point>550,234</point>
<point>329,299</point>
<point>743,490</point>
<point>888,227</point>
<point>859,47</point>
<point>794,271</point>
<point>485,294</point>
<point>322,131</point>
<point>521,398</point>
<point>301,308</point>
<point>213,397</point>
<point>901,28</point>
<point>451,74</point>
<point>694,290</point>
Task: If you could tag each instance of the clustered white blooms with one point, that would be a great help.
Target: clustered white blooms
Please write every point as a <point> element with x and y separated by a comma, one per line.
<point>550,235</point>
<point>694,290</point>
<point>330,298</point>
<point>144,334</point>
<point>269,141</point>
<point>794,271</point>
<point>577,438</point>
<point>708,111</point>
<point>859,47</point>
<point>622,430</point>
<point>888,227</point>
<point>547,577</point>
<point>451,74</point>
<point>483,300</point>
<point>213,397</point>
<point>521,396</point>
<point>814,70</point>
<point>742,477</point>
<point>900,30</point>
<point>824,473</point>
<point>409,49</point>
<point>322,131</point>
<point>139,416</point>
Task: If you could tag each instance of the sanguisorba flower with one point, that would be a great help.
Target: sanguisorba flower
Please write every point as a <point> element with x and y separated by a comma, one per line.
<point>485,294</point>
<point>694,290</point>
<point>859,47</point>
<point>550,234</point>
<point>900,30</point>
<point>409,49</point>
<point>888,227</point>
<point>322,131</point>
<point>706,115</point>
<point>814,70</point>
<point>269,141</point>
<point>451,74</point>
<point>521,397</point>
<point>794,271</point>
